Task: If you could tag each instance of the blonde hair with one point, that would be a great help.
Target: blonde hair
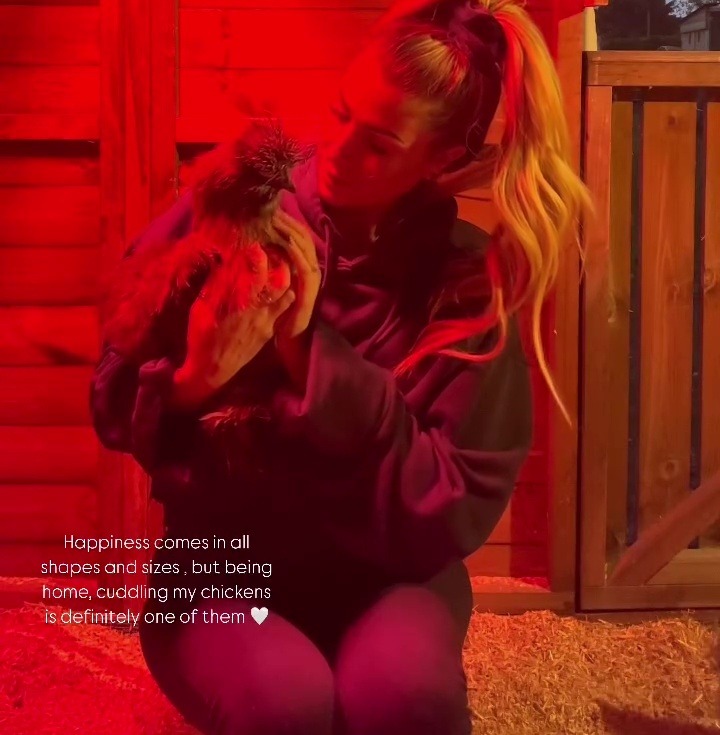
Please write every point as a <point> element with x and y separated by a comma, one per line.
<point>540,198</point>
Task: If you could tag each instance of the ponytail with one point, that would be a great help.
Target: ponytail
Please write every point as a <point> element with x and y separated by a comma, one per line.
<point>540,199</point>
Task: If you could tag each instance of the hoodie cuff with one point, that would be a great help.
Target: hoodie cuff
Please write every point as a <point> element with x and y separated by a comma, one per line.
<point>345,397</point>
<point>152,416</point>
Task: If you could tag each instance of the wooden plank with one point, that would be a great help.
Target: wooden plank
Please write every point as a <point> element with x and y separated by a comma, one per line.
<point>541,401</point>
<point>45,216</point>
<point>287,4</point>
<point>302,38</point>
<point>43,513</point>
<point>562,347</point>
<point>521,523</point>
<point>47,90</point>
<point>535,5</point>
<point>536,586</point>
<point>197,128</point>
<point>116,182</point>
<point>654,68</point>
<point>36,336</point>
<point>26,560</point>
<point>508,560</point>
<point>517,603</point>
<point>45,396</point>
<point>671,536</point>
<point>31,164</point>
<point>534,470</point>
<point>481,213</point>
<point>42,126</point>
<point>300,93</point>
<point>54,454</point>
<point>163,174</point>
<point>49,2</point>
<point>137,111</point>
<point>128,178</point>
<point>710,461</point>
<point>163,111</point>
<point>690,566</point>
<point>633,617</point>
<point>49,35</point>
<point>48,276</point>
<point>597,366</point>
<point>666,310</point>
<point>619,326</point>
<point>671,596</point>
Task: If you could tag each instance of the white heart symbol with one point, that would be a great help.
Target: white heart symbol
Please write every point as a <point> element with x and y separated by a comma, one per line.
<point>259,614</point>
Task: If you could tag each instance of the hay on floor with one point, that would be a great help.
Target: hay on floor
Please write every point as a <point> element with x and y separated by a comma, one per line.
<point>531,674</point>
<point>538,673</point>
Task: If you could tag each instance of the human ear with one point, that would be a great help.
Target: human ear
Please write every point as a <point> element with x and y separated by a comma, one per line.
<point>445,158</point>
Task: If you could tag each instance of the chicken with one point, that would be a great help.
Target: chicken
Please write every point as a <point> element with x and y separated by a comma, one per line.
<point>236,189</point>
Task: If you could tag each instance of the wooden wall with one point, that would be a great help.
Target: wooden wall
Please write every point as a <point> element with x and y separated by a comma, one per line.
<point>49,260</point>
<point>90,147</point>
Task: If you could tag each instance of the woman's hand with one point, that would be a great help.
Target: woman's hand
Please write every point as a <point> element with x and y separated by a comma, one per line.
<point>216,351</point>
<point>291,336</point>
<point>298,242</point>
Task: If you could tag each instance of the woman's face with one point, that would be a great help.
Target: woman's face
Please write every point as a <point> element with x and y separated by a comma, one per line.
<point>378,146</point>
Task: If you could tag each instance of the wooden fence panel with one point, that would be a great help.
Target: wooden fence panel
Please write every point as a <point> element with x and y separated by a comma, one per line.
<point>650,324</point>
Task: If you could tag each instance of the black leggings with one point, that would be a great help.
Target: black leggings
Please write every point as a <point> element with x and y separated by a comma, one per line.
<point>389,665</point>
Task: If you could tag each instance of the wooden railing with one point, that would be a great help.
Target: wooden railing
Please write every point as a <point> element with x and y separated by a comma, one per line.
<point>651,317</point>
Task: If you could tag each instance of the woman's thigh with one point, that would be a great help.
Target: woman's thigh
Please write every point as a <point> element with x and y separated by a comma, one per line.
<point>242,678</point>
<point>399,668</point>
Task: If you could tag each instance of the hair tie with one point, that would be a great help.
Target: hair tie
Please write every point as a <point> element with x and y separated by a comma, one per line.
<point>478,29</point>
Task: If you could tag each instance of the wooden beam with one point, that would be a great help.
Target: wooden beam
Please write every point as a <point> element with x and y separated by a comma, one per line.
<point>596,313</point>
<point>664,597</point>
<point>45,125</point>
<point>660,543</point>
<point>654,68</point>
<point>563,344</point>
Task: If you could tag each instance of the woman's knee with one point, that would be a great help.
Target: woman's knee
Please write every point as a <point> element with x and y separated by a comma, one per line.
<point>243,678</point>
<point>384,697</point>
<point>400,669</point>
<point>299,701</point>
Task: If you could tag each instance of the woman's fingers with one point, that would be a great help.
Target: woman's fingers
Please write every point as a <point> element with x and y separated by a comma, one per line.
<point>275,309</point>
<point>297,234</point>
<point>307,273</point>
<point>256,261</point>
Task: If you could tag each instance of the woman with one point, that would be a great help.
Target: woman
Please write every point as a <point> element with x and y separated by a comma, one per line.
<point>397,437</point>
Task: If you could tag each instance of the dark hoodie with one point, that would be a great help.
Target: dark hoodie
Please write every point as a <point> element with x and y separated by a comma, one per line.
<point>403,477</point>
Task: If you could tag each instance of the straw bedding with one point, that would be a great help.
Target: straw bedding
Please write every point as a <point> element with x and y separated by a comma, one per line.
<point>531,674</point>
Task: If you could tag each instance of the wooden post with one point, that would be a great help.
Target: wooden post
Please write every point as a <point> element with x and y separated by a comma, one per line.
<point>138,180</point>
<point>563,441</point>
<point>596,311</point>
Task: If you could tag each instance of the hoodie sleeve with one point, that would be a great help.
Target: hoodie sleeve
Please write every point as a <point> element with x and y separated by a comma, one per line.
<point>129,406</point>
<point>129,402</point>
<point>412,491</point>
